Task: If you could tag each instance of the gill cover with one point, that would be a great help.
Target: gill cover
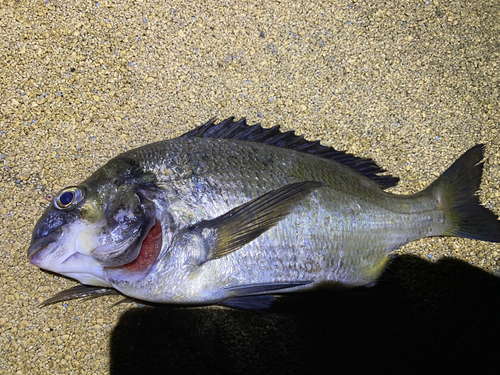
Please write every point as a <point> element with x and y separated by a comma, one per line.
<point>130,213</point>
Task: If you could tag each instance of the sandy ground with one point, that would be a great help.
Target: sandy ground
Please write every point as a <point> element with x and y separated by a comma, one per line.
<point>411,84</point>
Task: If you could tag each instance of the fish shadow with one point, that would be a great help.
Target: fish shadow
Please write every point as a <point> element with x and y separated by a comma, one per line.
<point>421,317</point>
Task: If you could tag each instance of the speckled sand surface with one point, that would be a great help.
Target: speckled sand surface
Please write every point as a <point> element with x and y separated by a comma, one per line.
<point>411,84</point>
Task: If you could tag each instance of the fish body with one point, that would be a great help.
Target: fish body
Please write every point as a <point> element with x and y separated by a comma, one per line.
<point>230,213</point>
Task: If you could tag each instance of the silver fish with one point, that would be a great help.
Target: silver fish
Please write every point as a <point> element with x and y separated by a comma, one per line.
<point>232,214</point>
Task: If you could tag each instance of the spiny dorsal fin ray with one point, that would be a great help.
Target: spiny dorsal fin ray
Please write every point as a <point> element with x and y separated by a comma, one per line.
<point>239,130</point>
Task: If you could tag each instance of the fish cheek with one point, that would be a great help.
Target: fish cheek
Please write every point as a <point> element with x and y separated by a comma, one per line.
<point>90,212</point>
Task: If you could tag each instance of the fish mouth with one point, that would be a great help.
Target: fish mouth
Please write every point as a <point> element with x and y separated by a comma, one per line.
<point>39,244</point>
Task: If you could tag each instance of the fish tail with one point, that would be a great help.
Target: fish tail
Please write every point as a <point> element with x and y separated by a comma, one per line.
<point>456,190</point>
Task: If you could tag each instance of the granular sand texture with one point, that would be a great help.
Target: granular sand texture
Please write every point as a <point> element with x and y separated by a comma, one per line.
<point>410,84</point>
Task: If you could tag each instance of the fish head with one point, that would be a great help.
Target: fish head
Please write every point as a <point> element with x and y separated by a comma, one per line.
<point>98,224</point>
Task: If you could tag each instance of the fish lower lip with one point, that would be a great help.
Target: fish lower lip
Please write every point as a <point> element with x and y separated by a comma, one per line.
<point>35,249</point>
<point>41,243</point>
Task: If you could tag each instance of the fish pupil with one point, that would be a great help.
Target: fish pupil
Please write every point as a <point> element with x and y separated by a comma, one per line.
<point>66,198</point>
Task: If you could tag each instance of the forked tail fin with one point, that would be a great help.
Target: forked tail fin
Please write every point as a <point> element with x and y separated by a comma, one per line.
<point>457,188</point>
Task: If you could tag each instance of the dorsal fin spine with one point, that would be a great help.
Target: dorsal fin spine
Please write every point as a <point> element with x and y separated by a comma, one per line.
<point>239,130</point>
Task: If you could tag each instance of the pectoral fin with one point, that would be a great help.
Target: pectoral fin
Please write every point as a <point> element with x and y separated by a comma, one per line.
<point>245,223</point>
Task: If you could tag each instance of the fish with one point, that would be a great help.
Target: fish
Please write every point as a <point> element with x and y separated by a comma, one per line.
<point>234,214</point>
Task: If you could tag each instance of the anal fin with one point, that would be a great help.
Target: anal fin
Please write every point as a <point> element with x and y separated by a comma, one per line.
<point>255,303</point>
<point>263,288</point>
<point>256,296</point>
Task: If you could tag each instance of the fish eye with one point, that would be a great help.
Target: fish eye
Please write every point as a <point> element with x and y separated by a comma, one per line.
<point>68,197</point>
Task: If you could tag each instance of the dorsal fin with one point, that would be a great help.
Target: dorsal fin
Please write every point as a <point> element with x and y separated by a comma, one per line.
<point>239,130</point>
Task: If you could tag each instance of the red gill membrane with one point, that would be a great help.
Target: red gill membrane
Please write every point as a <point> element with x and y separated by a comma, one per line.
<point>151,247</point>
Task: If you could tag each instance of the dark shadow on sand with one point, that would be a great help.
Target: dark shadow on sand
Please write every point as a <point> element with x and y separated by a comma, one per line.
<point>420,318</point>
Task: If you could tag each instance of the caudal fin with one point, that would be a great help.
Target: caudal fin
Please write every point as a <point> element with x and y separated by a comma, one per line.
<point>457,188</point>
